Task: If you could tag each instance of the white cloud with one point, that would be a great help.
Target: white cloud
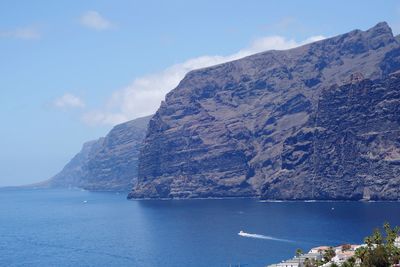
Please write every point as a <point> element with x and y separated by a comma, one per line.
<point>25,33</point>
<point>68,101</point>
<point>92,19</point>
<point>144,95</point>
<point>98,117</point>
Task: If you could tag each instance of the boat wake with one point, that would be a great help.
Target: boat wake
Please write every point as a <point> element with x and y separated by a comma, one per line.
<point>244,234</point>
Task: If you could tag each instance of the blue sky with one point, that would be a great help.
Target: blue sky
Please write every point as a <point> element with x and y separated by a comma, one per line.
<point>70,70</point>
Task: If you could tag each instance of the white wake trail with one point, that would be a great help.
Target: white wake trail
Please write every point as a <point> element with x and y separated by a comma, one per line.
<point>241,233</point>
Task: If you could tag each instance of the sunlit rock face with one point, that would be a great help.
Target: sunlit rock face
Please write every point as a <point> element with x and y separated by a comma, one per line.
<point>313,122</point>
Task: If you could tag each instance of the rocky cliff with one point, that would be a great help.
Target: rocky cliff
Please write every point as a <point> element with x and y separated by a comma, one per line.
<point>107,164</point>
<point>349,150</point>
<point>319,121</point>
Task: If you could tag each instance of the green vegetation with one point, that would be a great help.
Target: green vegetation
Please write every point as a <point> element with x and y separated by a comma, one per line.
<point>299,252</point>
<point>312,263</point>
<point>349,263</point>
<point>379,251</point>
<point>329,254</point>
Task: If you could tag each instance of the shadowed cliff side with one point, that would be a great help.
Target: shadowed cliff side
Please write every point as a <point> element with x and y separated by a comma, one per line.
<point>350,150</point>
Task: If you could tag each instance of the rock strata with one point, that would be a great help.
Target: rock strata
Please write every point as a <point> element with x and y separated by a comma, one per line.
<point>319,121</point>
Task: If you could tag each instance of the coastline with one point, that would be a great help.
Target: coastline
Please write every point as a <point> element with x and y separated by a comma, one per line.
<point>30,187</point>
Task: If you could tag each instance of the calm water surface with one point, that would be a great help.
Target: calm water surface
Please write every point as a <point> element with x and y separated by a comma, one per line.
<point>79,228</point>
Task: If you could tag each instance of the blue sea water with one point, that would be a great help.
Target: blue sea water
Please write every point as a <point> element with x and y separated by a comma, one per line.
<point>79,228</point>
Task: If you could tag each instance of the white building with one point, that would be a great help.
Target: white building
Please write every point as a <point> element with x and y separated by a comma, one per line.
<point>288,263</point>
<point>298,261</point>
<point>397,242</point>
<point>342,256</point>
<point>310,256</point>
<point>320,249</point>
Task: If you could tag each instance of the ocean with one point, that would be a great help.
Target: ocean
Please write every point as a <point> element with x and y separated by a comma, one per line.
<point>80,228</point>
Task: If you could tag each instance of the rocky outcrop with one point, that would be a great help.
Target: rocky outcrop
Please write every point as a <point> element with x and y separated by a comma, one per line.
<point>107,164</point>
<point>282,125</point>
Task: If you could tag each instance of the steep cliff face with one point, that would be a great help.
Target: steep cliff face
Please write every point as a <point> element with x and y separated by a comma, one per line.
<point>349,150</point>
<point>263,125</point>
<point>108,164</point>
